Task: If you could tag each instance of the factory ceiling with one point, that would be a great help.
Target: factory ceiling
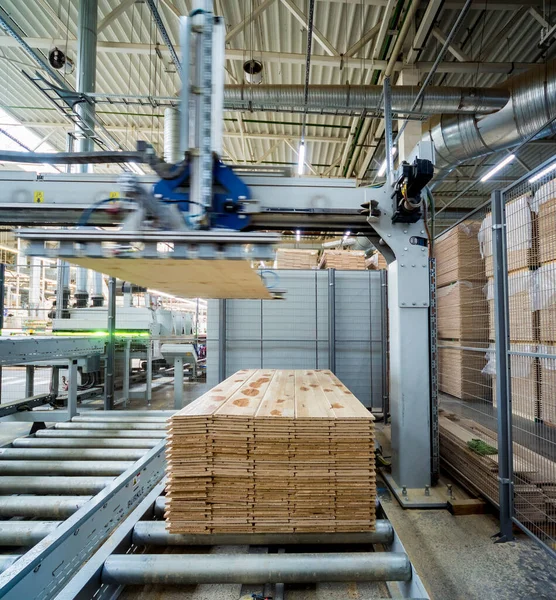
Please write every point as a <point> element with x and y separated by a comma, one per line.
<point>134,65</point>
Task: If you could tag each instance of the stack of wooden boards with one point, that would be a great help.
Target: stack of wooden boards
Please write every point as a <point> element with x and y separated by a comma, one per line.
<point>346,260</point>
<point>376,262</point>
<point>292,258</point>
<point>272,451</point>
<point>462,315</point>
<point>534,475</point>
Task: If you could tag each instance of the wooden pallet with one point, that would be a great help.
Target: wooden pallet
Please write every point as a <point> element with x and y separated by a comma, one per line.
<point>547,377</point>
<point>345,260</point>
<point>547,223</point>
<point>458,256</point>
<point>272,451</point>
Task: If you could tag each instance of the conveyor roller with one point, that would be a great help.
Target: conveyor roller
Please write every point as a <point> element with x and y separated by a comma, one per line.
<point>106,425</point>
<point>183,569</point>
<point>82,442</point>
<point>72,454</point>
<point>99,433</point>
<point>65,467</point>
<point>25,533</point>
<point>74,486</point>
<point>41,507</point>
<point>154,533</point>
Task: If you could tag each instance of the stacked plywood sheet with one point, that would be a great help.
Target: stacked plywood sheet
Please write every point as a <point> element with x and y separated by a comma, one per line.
<point>460,371</point>
<point>376,262</point>
<point>547,377</point>
<point>462,311</point>
<point>458,256</point>
<point>272,451</point>
<point>521,238</point>
<point>544,204</point>
<point>347,260</point>
<point>290,258</point>
<point>521,305</point>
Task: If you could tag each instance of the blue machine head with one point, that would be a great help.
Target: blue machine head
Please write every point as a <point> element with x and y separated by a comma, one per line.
<point>229,195</point>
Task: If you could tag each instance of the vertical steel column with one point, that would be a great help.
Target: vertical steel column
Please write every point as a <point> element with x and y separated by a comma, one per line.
<point>2,289</point>
<point>127,369</point>
<point>29,381</point>
<point>221,340</point>
<point>85,75</point>
<point>433,348</point>
<point>149,382</point>
<point>72,388</point>
<point>85,82</point>
<point>388,129</point>
<point>178,382</point>
<point>110,347</point>
<point>331,320</point>
<point>503,366</point>
<point>384,340</point>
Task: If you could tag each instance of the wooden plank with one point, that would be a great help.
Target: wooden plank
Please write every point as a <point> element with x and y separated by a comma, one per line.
<point>283,461</point>
<point>192,278</point>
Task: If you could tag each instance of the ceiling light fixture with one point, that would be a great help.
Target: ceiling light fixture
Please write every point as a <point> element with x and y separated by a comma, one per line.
<point>498,167</point>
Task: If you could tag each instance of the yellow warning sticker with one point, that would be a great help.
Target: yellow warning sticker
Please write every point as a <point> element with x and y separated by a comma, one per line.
<point>38,197</point>
<point>114,195</point>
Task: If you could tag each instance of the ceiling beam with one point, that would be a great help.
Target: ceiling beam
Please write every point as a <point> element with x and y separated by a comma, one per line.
<point>140,128</point>
<point>423,31</point>
<point>385,21</point>
<point>362,41</point>
<point>114,14</point>
<point>503,68</point>
<point>236,29</point>
<point>319,37</point>
<point>452,49</point>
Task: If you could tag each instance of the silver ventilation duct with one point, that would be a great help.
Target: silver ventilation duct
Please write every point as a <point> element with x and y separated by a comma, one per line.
<point>345,99</point>
<point>532,104</point>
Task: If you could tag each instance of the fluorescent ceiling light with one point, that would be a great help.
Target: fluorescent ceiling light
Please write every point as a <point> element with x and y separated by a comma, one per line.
<point>301,158</point>
<point>297,235</point>
<point>382,169</point>
<point>498,167</point>
<point>542,173</point>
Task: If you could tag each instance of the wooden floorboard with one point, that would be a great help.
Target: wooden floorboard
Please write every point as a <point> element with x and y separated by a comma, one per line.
<point>272,450</point>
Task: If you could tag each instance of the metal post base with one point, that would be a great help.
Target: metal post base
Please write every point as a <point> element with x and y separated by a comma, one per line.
<point>428,497</point>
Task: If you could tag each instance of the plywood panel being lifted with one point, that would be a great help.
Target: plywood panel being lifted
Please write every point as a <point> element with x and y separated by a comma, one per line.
<point>272,451</point>
<point>191,278</point>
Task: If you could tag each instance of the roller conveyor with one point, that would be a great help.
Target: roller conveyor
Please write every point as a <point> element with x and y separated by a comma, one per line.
<point>63,507</point>
<point>69,473</point>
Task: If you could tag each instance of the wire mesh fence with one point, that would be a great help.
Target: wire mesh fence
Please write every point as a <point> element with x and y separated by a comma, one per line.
<point>501,298</point>
<point>531,255</point>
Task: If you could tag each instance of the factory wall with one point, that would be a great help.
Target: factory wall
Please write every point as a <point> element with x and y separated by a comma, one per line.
<point>294,333</point>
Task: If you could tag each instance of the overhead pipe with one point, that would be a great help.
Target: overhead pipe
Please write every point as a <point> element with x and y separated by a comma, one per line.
<point>346,99</point>
<point>402,35</point>
<point>531,106</point>
<point>183,569</point>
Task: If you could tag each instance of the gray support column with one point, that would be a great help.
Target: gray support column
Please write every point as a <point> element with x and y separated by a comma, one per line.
<point>97,296</point>
<point>85,79</point>
<point>149,383</point>
<point>72,388</point>
<point>388,129</point>
<point>34,287</point>
<point>221,340</point>
<point>29,381</point>
<point>127,369</point>
<point>110,347</point>
<point>384,340</point>
<point>503,386</point>
<point>178,382</point>
<point>331,320</point>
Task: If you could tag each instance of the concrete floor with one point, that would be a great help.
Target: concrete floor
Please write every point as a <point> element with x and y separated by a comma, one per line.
<point>454,556</point>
